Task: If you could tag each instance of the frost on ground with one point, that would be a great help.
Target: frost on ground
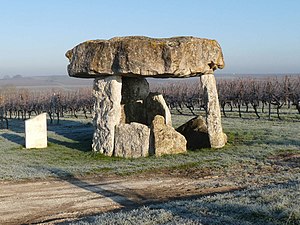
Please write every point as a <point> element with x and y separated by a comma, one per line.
<point>273,204</point>
<point>253,147</point>
<point>262,157</point>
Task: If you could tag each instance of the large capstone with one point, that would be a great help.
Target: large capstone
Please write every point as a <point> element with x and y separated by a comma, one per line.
<point>139,56</point>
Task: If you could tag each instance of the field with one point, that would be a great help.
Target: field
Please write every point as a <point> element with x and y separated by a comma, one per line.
<point>261,162</point>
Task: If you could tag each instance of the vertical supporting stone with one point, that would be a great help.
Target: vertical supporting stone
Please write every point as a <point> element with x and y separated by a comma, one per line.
<point>134,92</point>
<point>107,109</point>
<point>134,89</point>
<point>215,132</point>
<point>156,105</point>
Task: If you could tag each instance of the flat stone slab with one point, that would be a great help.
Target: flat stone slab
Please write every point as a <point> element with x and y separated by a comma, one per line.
<point>36,132</point>
<point>138,56</point>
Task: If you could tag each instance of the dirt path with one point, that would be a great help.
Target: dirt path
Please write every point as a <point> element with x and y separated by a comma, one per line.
<point>52,201</point>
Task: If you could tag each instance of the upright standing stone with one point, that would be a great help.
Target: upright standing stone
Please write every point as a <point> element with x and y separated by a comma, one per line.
<point>134,89</point>
<point>134,92</point>
<point>156,105</point>
<point>216,136</point>
<point>36,132</point>
<point>107,109</point>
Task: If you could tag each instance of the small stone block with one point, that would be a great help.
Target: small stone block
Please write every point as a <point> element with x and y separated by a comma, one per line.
<point>132,140</point>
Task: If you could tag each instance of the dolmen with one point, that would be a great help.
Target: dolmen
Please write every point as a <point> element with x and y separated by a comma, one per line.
<point>129,120</point>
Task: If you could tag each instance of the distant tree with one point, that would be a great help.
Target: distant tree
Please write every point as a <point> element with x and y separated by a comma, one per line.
<point>2,111</point>
<point>295,92</point>
<point>18,76</point>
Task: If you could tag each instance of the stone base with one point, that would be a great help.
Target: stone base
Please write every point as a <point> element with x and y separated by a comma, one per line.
<point>124,110</point>
<point>131,122</point>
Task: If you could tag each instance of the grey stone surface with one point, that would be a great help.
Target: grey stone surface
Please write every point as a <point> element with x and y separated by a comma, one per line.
<point>36,132</point>
<point>155,105</point>
<point>165,139</point>
<point>134,92</point>
<point>145,57</point>
<point>123,104</point>
<point>134,89</point>
<point>135,112</point>
<point>195,132</point>
<point>213,120</point>
<point>107,112</point>
<point>132,140</point>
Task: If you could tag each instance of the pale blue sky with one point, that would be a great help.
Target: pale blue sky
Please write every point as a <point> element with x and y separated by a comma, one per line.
<point>257,36</point>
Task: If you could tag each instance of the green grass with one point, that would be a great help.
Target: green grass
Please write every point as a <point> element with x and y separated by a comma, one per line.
<point>258,158</point>
<point>251,143</point>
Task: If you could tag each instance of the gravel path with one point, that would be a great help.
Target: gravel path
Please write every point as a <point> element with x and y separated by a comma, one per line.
<point>51,201</point>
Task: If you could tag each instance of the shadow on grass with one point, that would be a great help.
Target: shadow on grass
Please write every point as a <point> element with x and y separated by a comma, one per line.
<point>260,205</point>
<point>16,125</point>
<point>279,142</point>
<point>83,145</point>
<point>70,129</point>
<point>80,135</point>
<point>284,142</point>
<point>15,138</point>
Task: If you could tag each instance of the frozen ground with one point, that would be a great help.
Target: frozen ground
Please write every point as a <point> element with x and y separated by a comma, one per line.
<point>261,162</point>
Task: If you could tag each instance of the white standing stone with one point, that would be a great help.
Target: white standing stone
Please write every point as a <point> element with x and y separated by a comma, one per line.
<point>36,132</point>
<point>107,109</point>
<point>215,132</point>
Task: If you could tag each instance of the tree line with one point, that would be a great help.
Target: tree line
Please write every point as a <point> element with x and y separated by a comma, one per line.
<point>261,94</point>
<point>240,95</point>
<point>23,103</point>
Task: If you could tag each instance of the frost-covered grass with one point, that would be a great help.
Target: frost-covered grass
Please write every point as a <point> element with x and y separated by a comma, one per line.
<point>252,145</point>
<point>272,204</point>
<point>261,156</point>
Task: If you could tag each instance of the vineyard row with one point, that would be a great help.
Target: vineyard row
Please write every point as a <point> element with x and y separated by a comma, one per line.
<point>259,94</point>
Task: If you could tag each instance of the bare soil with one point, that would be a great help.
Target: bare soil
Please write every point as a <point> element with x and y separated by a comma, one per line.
<point>51,201</point>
